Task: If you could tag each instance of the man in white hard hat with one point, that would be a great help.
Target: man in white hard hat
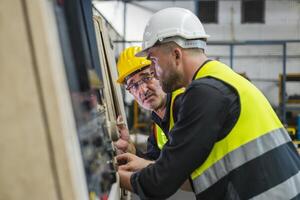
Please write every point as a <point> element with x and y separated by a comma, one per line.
<point>228,140</point>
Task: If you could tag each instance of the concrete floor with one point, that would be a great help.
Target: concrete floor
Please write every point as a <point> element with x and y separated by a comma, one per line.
<point>179,195</point>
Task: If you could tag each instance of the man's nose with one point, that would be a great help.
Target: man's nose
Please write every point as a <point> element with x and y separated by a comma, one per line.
<point>143,88</point>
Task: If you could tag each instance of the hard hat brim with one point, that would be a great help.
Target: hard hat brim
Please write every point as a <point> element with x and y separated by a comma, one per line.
<point>142,53</point>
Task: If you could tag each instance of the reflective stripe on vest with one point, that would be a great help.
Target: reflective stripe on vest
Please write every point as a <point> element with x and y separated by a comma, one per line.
<point>256,131</point>
<point>286,190</point>
<point>161,138</point>
<point>236,158</point>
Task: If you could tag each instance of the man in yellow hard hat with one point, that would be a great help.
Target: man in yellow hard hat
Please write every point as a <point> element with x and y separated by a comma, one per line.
<point>138,78</point>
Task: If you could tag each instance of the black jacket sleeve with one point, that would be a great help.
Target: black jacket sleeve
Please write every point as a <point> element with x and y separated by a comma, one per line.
<point>201,117</point>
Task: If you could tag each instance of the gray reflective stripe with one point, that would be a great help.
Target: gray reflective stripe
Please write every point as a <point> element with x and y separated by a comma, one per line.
<point>286,190</point>
<point>239,157</point>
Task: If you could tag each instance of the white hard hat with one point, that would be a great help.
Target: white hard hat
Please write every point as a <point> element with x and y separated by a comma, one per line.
<point>174,24</point>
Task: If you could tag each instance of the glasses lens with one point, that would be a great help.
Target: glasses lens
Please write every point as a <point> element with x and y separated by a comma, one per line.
<point>135,86</point>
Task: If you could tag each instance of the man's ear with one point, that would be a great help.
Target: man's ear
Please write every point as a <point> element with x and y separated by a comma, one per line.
<point>178,55</point>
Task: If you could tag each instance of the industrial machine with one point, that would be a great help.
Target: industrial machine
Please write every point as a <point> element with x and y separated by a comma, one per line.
<point>59,103</point>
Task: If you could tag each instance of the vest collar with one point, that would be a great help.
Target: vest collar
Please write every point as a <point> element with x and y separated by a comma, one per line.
<point>208,60</point>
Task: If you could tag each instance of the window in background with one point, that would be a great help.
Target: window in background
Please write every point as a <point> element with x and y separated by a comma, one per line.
<point>253,11</point>
<point>207,11</point>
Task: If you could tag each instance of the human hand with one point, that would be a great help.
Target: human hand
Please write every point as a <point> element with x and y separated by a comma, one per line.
<point>123,144</point>
<point>132,162</point>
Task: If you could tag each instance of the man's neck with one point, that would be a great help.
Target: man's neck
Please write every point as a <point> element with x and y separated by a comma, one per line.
<point>162,109</point>
<point>192,65</point>
<point>161,112</point>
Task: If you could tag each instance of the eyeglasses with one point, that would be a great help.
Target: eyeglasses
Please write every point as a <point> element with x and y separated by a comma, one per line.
<point>134,87</point>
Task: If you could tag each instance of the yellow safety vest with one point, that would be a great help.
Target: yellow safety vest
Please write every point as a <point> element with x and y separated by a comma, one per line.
<point>160,136</point>
<point>256,126</point>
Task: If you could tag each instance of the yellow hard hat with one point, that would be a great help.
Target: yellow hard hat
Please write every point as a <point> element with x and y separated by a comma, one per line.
<point>129,63</point>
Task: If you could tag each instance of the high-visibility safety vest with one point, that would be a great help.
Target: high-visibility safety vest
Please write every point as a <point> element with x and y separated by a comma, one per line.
<point>160,136</point>
<point>257,131</point>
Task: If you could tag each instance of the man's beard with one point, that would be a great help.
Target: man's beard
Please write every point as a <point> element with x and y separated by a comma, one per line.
<point>172,82</point>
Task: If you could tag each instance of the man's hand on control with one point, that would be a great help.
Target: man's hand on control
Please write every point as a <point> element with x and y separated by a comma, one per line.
<point>131,162</point>
<point>123,144</point>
